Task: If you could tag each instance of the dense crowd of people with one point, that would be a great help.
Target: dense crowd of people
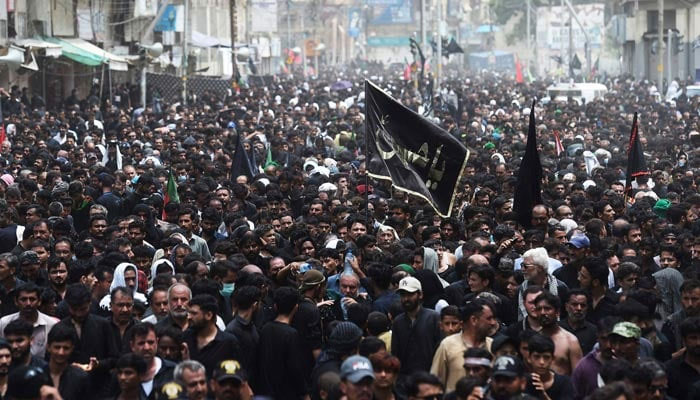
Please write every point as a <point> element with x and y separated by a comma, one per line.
<point>138,262</point>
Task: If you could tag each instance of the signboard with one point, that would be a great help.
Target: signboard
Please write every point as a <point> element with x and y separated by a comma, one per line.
<point>553,28</point>
<point>387,41</point>
<point>396,14</point>
<point>265,16</point>
<point>355,22</point>
<point>166,23</point>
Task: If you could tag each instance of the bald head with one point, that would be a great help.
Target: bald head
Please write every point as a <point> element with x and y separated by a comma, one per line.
<point>252,269</point>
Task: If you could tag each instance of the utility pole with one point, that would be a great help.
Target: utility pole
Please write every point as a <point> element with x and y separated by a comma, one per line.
<point>423,38</point>
<point>438,71</point>
<point>185,38</point>
<point>289,24</point>
<point>571,43</point>
<point>669,46</point>
<point>527,30</point>
<point>233,15</point>
<point>660,52</point>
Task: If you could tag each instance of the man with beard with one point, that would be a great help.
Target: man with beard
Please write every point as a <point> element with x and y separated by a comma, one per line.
<point>28,300</point>
<point>307,320</point>
<point>211,219</point>
<point>186,222</point>
<point>415,333</point>
<point>19,337</point>
<point>478,321</point>
<point>230,382</point>
<point>356,378</point>
<point>690,301</point>
<point>586,375</point>
<point>95,337</point>
<point>576,307</point>
<point>5,362</point>
<point>158,372</point>
<point>191,375</point>
<point>567,351</point>
<point>179,296</point>
<point>206,343</point>
<point>508,380</point>
<point>249,244</point>
<point>58,275</point>
<point>684,368</point>
<point>122,305</point>
<point>399,217</point>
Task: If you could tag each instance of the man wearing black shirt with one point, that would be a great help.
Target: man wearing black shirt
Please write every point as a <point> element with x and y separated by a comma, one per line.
<point>158,371</point>
<point>72,382</point>
<point>685,368</point>
<point>593,277</point>
<point>95,336</point>
<point>415,333</point>
<point>179,296</point>
<point>206,343</point>
<point>122,304</point>
<point>247,300</point>
<point>19,336</point>
<point>576,323</point>
<point>280,373</point>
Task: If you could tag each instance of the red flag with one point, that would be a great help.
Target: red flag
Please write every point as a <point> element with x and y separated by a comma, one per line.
<point>407,73</point>
<point>518,71</point>
<point>557,143</point>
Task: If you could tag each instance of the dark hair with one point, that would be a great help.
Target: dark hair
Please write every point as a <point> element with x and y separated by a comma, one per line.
<point>612,391</point>
<point>371,345</point>
<point>19,327</point>
<point>120,289</point>
<point>27,287</point>
<point>483,271</point>
<point>206,303</point>
<point>131,360</point>
<point>246,296</point>
<point>690,326</point>
<point>478,352</point>
<point>474,307</point>
<point>577,292</point>
<point>540,344</point>
<point>77,294</point>
<point>386,361</point>
<point>551,299</point>
<point>142,329</point>
<point>62,333</point>
<point>690,285</point>
<point>451,311</point>
<point>418,378</point>
<point>380,274</point>
<point>598,269</point>
<point>285,299</point>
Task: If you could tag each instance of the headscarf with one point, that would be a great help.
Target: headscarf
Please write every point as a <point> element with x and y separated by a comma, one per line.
<point>117,281</point>
<point>158,263</point>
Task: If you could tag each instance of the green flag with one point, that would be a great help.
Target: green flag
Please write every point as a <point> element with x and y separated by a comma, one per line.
<point>170,194</point>
<point>269,161</point>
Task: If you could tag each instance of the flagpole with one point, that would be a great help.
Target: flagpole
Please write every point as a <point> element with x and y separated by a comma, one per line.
<point>366,166</point>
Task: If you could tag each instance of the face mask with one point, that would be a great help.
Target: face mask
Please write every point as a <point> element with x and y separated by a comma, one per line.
<point>681,163</point>
<point>182,178</point>
<point>227,289</point>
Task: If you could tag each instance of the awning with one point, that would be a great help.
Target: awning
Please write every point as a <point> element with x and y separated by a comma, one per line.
<point>87,53</point>
<point>51,49</point>
<point>199,39</point>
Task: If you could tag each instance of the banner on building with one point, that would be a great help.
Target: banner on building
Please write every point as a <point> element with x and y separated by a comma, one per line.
<point>264,16</point>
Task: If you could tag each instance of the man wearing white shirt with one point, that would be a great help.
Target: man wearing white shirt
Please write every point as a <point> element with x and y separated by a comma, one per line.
<point>28,299</point>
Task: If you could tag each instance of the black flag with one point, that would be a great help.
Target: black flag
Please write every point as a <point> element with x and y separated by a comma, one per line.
<point>453,47</point>
<point>416,155</point>
<point>241,162</point>
<point>636,165</point>
<point>528,191</point>
<point>575,62</point>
